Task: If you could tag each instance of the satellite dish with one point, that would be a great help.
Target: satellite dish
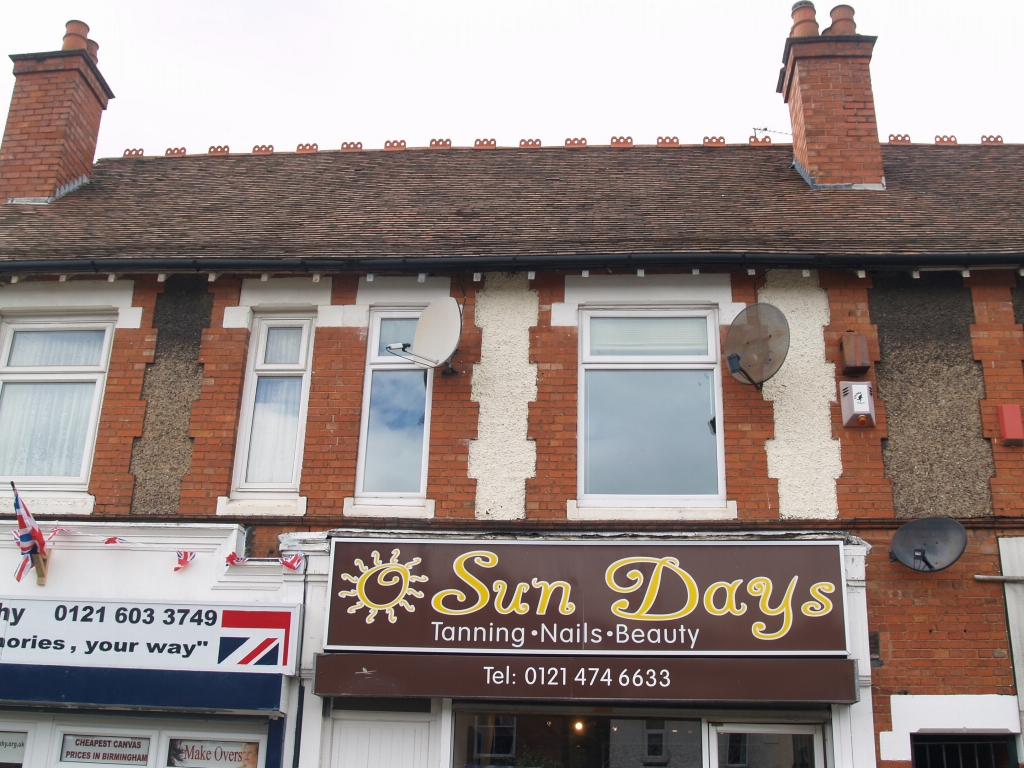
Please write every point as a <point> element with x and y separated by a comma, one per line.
<point>437,335</point>
<point>757,343</point>
<point>929,544</point>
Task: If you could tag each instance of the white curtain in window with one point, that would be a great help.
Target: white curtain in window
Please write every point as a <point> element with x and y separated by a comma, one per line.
<point>283,345</point>
<point>275,426</point>
<point>38,348</point>
<point>43,427</point>
<point>648,336</point>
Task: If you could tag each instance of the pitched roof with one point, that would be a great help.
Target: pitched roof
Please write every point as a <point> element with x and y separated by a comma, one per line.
<point>549,203</point>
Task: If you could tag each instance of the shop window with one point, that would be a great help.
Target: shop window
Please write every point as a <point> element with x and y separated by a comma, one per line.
<point>966,751</point>
<point>51,386</point>
<point>541,740</point>
<point>272,428</point>
<point>650,399</point>
<point>395,426</point>
<point>768,746</point>
<point>12,748</point>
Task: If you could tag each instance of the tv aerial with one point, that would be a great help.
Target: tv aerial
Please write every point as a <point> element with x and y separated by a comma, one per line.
<point>756,344</point>
<point>929,544</point>
<point>437,335</point>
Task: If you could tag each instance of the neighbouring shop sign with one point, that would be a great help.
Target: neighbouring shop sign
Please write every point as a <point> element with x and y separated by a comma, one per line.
<point>122,750</point>
<point>624,597</point>
<point>193,753</point>
<point>179,636</point>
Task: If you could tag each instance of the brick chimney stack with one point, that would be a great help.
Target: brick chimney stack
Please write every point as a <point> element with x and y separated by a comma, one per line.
<point>826,81</point>
<point>50,138</point>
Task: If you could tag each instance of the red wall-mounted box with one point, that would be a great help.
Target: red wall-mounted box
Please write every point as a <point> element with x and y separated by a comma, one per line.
<point>1011,428</point>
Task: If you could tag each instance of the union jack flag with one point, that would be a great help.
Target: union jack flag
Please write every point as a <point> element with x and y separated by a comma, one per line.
<point>256,638</point>
<point>234,559</point>
<point>115,540</point>
<point>184,558</point>
<point>30,536</point>
<point>294,562</point>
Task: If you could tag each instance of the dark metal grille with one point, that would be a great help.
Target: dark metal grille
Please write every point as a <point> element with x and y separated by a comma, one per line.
<point>964,752</point>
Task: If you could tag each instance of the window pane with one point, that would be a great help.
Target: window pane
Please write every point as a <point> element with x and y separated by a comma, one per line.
<point>275,426</point>
<point>56,348</point>
<point>393,459</point>
<point>394,330</point>
<point>765,750</point>
<point>648,433</point>
<point>648,336</point>
<point>283,345</point>
<point>43,427</point>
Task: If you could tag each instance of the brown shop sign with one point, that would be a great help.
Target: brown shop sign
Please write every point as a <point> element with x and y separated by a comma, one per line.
<point>627,598</point>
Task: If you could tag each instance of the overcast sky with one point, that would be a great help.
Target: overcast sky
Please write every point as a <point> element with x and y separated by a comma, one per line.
<point>198,72</point>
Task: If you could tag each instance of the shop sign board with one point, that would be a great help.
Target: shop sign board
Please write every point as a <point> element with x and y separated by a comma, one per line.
<point>196,753</point>
<point>576,678</point>
<point>120,750</point>
<point>650,598</point>
<point>141,635</point>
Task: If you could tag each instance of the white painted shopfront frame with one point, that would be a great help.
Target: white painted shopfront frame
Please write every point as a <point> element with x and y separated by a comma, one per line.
<point>253,371</point>
<point>389,362</point>
<point>60,373</point>
<point>714,729</point>
<point>711,362</point>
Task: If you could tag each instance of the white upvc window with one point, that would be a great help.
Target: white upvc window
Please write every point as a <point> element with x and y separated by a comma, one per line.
<point>272,430</point>
<point>52,378</point>
<point>395,430</point>
<point>764,745</point>
<point>650,399</point>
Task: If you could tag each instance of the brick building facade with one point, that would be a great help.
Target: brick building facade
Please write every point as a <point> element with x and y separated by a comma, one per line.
<point>197,342</point>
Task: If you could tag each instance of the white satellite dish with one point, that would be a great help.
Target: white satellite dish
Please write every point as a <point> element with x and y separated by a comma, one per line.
<point>437,335</point>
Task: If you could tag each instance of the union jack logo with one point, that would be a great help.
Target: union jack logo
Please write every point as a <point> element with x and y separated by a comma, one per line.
<point>262,638</point>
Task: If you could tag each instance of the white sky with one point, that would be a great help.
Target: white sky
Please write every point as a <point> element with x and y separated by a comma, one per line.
<point>199,72</point>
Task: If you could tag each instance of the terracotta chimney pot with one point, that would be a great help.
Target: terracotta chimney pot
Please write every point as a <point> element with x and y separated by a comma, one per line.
<point>93,47</point>
<point>842,21</point>
<point>804,22</point>
<point>76,35</point>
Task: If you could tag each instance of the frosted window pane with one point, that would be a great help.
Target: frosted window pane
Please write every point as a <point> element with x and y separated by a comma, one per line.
<point>766,750</point>
<point>275,426</point>
<point>394,330</point>
<point>283,345</point>
<point>393,460</point>
<point>43,427</point>
<point>56,348</point>
<point>647,433</point>
<point>648,336</point>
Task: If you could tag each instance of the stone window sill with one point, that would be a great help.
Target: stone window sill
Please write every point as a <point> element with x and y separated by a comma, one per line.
<point>283,507</point>
<point>423,509</point>
<point>55,503</point>
<point>576,512</point>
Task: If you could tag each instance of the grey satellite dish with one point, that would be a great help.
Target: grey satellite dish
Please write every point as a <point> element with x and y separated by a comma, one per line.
<point>757,343</point>
<point>437,335</point>
<point>929,544</point>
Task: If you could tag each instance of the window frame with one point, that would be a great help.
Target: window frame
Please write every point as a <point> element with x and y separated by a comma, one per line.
<point>97,374</point>
<point>254,369</point>
<point>783,729</point>
<point>709,362</point>
<point>389,362</point>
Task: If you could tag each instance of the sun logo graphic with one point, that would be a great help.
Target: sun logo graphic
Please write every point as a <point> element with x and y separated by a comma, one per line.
<point>394,576</point>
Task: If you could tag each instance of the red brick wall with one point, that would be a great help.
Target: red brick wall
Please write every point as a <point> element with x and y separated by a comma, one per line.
<point>335,402</point>
<point>123,409</point>
<point>215,414</point>
<point>453,417</point>
<point>749,421</point>
<point>52,126</point>
<point>941,633</point>
<point>999,346</point>
<point>552,417</point>
<point>863,490</point>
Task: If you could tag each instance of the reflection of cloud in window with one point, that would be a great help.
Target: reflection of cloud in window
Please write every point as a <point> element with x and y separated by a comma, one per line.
<point>394,434</point>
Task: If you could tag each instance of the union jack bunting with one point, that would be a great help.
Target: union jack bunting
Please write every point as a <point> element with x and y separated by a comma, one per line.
<point>234,559</point>
<point>294,562</point>
<point>184,558</point>
<point>115,540</point>
<point>30,536</point>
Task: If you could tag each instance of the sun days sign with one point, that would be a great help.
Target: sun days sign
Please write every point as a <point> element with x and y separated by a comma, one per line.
<point>629,597</point>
